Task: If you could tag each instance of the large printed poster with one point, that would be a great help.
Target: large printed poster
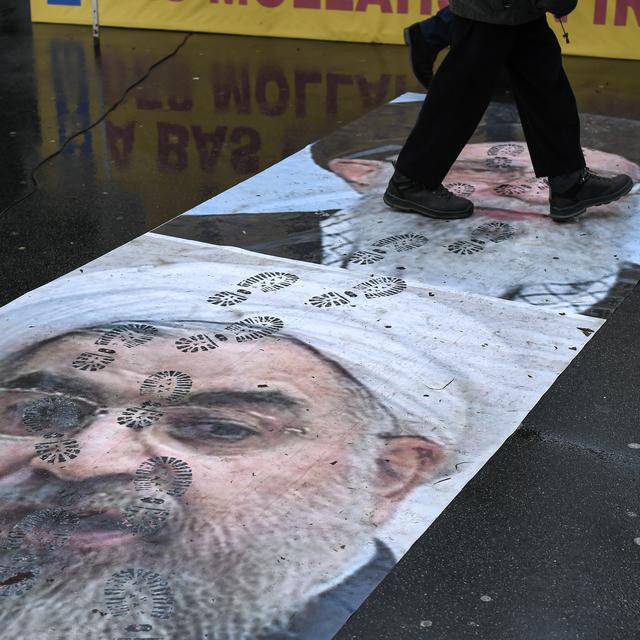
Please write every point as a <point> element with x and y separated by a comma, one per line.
<point>325,204</point>
<point>604,28</point>
<point>206,441</point>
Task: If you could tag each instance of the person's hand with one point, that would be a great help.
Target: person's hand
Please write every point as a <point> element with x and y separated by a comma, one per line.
<point>558,8</point>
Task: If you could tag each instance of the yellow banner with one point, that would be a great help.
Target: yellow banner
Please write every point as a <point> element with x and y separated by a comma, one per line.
<point>602,28</point>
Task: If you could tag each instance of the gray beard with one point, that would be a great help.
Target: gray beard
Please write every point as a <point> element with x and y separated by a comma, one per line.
<point>229,579</point>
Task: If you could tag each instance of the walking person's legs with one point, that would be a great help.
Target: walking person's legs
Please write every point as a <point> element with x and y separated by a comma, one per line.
<point>458,98</point>
<point>545,100</point>
<point>549,116</point>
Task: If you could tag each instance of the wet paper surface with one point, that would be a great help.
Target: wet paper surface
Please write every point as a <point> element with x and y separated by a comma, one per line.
<point>509,249</point>
<point>201,441</point>
<point>205,442</point>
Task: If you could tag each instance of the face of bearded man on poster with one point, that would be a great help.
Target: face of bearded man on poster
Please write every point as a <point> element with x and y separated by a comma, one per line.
<point>192,486</point>
<point>510,248</point>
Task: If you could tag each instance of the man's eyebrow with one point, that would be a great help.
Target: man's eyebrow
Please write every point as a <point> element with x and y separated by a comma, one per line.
<point>55,383</point>
<point>277,399</point>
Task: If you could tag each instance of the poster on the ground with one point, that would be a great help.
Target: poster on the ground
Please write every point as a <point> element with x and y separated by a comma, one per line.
<point>324,204</point>
<point>204,442</point>
<point>233,428</point>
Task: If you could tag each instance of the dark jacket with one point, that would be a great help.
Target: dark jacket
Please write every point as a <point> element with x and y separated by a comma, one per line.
<point>497,11</point>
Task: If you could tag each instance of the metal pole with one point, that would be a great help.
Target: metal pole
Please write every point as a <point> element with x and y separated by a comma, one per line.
<point>96,23</point>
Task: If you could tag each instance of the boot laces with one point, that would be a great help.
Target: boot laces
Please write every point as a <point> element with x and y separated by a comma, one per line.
<point>590,176</point>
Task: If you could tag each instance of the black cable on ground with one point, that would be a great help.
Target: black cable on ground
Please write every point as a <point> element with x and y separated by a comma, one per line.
<point>113,107</point>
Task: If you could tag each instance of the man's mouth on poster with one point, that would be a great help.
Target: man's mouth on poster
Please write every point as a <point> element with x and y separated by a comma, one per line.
<point>46,512</point>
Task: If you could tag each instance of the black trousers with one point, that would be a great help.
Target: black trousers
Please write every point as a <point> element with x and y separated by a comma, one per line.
<point>462,89</point>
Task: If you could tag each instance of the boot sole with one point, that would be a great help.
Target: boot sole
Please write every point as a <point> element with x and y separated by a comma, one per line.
<point>560,214</point>
<point>407,206</point>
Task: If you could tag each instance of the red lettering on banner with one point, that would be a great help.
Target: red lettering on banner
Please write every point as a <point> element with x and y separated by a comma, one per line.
<point>226,86</point>
<point>302,79</point>
<point>244,158</point>
<point>120,142</point>
<point>425,7</point>
<point>339,5</point>
<point>334,80</point>
<point>172,147</point>
<point>273,75</point>
<point>385,5</point>
<point>206,139</point>
<point>622,10</point>
<point>373,93</point>
<point>600,12</point>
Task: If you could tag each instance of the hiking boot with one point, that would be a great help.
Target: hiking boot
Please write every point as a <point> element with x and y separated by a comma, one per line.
<point>571,194</point>
<point>421,55</point>
<point>405,194</point>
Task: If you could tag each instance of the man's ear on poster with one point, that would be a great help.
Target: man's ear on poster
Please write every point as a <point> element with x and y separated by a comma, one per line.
<point>360,172</point>
<point>403,462</point>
